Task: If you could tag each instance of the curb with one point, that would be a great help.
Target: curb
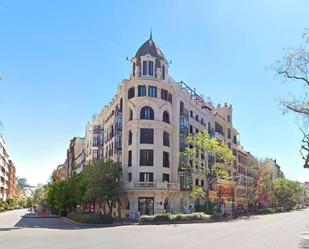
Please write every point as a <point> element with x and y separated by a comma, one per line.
<point>94,225</point>
<point>36,216</point>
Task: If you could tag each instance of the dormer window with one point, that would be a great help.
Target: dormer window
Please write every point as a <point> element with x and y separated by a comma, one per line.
<point>163,72</point>
<point>144,67</point>
<point>148,68</point>
<point>133,73</point>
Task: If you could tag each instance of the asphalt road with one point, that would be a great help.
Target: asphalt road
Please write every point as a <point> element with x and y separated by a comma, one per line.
<point>282,231</point>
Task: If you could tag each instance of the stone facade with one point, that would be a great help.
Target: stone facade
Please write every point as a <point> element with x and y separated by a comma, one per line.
<point>145,127</point>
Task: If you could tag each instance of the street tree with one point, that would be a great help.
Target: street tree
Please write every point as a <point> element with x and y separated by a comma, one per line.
<point>201,147</point>
<point>264,186</point>
<point>294,67</point>
<point>286,193</point>
<point>104,178</point>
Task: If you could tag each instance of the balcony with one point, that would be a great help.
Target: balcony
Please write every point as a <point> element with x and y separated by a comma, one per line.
<point>167,186</point>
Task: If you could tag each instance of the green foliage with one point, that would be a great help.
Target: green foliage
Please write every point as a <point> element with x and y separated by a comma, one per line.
<point>174,217</point>
<point>197,193</point>
<point>207,145</point>
<point>40,196</point>
<point>66,195</point>
<point>90,218</point>
<point>104,178</point>
<point>286,193</point>
<point>11,204</point>
<point>100,181</point>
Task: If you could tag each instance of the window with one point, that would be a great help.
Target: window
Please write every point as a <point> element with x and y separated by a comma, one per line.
<point>145,177</point>
<point>235,140</point>
<point>147,113</point>
<point>191,114</point>
<point>146,136</point>
<point>164,94</point>
<point>170,98</point>
<point>197,131</point>
<point>130,177</point>
<point>166,159</point>
<point>202,183</point>
<point>130,114</point>
<point>228,118</point>
<point>95,141</point>
<point>191,129</point>
<point>219,128</point>
<point>196,182</point>
<point>129,158</point>
<point>182,107</point>
<point>133,69</point>
<point>150,68</point>
<point>202,121</point>
<point>131,92</point>
<point>166,117</point>
<point>141,91</point>
<point>152,91</point>
<point>166,138</point>
<point>196,118</point>
<point>144,67</point>
<point>165,178</point>
<point>130,138</point>
<point>95,154</point>
<point>163,72</point>
<point>146,158</point>
<point>229,133</point>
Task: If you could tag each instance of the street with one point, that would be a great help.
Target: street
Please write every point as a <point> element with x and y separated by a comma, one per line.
<point>282,231</point>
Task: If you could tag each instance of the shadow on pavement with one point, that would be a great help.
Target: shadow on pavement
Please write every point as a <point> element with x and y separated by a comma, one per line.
<point>47,223</point>
<point>57,223</point>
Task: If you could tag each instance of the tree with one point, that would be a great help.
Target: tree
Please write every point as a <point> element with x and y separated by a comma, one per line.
<point>294,67</point>
<point>104,178</point>
<point>262,191</point>
<point>67,194</point>
<point>199,147</point>
<point>286,193</point>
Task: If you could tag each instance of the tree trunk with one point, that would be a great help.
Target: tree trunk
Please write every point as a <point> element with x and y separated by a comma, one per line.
<point>110,206</point>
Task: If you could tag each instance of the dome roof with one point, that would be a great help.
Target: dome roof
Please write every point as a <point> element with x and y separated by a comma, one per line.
<point>150,47</point>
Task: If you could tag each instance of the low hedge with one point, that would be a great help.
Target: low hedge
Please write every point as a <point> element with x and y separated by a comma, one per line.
<point>90,218</point>
<point>273,210</point>
<point>174,217</point>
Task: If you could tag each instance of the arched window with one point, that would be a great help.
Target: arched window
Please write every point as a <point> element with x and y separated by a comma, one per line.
<point>166,117</point>
<point>130,114</point>
<point>147,113</point>
<point>133,69</point>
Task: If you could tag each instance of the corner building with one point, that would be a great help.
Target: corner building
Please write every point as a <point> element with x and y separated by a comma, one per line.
<point>145,127</point>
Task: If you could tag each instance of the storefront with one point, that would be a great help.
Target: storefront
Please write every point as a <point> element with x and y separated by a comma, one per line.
<point>146,205</point>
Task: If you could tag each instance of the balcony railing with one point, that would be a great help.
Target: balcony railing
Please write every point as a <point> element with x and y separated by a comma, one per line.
<point>151,186</point>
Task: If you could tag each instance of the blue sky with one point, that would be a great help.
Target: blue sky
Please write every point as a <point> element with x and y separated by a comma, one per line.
<point>62,60</point>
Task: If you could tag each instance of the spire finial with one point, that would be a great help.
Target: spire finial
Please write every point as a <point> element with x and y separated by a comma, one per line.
<point>150,33</point>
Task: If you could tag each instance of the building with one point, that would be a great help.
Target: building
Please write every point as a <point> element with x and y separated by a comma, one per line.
<point>8,179</point>
<point>13,191</point>
<point>273,167</point>
<point>145,127</point>
<point>75,156</point>
<point>4,170</point>
<point>60,173</point>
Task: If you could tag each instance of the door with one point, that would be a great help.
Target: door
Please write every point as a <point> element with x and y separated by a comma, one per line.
<point>146,205</point>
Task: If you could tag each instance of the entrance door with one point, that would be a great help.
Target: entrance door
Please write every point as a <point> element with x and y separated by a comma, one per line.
<point>146,205</point>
